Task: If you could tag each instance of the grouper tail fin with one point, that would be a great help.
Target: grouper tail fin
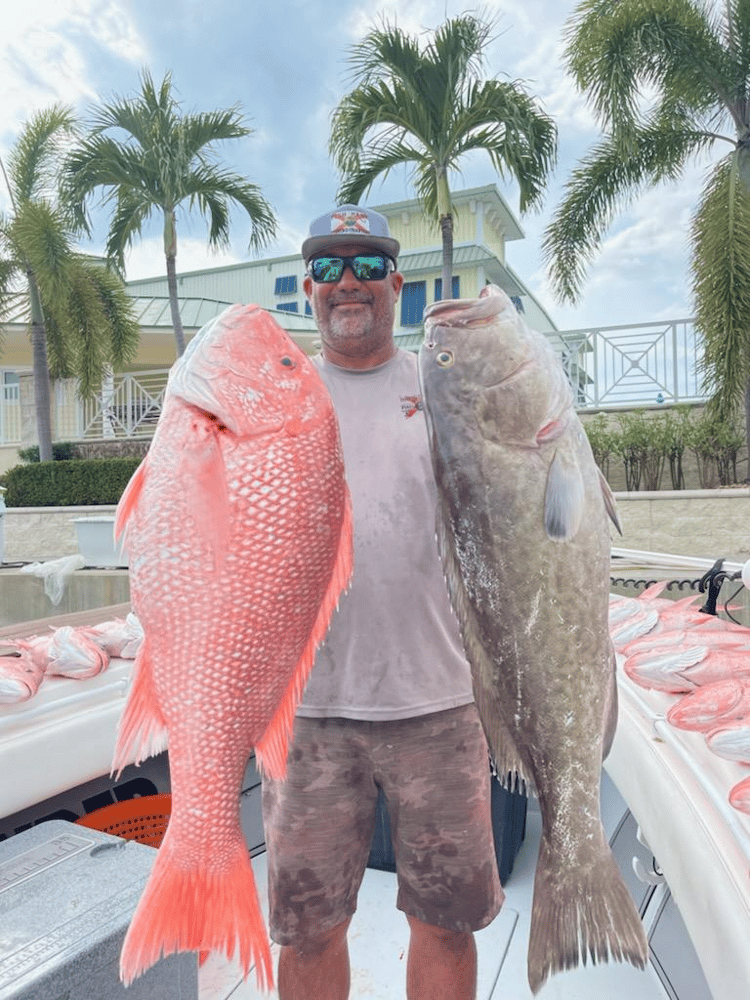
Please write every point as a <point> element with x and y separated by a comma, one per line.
<point>581,913</point>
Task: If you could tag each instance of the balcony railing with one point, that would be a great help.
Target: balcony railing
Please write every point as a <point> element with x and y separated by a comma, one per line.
<point>128,407</point>
<point>626,366</point>
<point>609,367</point>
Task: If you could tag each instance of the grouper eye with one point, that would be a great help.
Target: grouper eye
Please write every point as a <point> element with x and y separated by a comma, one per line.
<point>444,359</point>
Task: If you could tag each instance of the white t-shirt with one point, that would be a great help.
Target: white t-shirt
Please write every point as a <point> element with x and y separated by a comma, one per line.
<point>393,650</point>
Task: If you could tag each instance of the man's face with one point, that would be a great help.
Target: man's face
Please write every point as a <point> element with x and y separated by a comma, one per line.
<point>354,318</point>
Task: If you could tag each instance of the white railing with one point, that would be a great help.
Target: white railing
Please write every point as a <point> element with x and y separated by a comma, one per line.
<point>128,407</point>
<point>626,366</point>
<point>609,367</point>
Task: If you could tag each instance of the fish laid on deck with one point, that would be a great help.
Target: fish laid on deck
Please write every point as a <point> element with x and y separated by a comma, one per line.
<point>238,530</point>
<point>523,533</point>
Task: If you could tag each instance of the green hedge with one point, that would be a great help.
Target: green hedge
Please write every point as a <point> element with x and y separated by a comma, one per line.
<point>61,451</point>
<point>649,445</point>
<point>68,483</point>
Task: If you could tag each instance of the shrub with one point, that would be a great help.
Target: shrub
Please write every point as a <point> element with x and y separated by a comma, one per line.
<point>62,451</point>
<point>677,429</point>
<point>716,444</point>
<point>635,444</point>
<point>603,440</point>
<point>68,483</point>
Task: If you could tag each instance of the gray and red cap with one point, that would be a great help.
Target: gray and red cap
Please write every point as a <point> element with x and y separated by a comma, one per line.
<point>350,222</point>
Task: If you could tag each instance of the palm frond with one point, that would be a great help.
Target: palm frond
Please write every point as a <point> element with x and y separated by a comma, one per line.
<point>213,189</point>
<point>203,129</point>
<point>520,140</point>
<point>121,331</point>
<point>720,239</point>
<point>33,160</point>
<point>45,246</point>
<point>372,107</point>
<point>60,351</point>
<point>427,104</point>
<point>604,182</point>
<point>131,211</point>
<point>671,45</point>
<point>378,162</point>
<point>84,321</point>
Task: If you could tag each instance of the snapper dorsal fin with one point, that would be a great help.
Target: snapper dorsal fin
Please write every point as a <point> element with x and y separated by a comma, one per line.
<point>271,748</point>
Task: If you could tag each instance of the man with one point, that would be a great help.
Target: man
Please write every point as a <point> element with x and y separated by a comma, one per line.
<point>389,702</point>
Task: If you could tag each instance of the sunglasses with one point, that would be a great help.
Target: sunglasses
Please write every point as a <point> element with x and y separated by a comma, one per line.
<point>365,267</point>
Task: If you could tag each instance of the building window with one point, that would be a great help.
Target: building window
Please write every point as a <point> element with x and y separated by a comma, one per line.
<point>290,307</point>
<point>10,383</point>
<point>286,285</point>
<point>413,301</point>
<point>455,285</point>
<point>517,302</point>
<point>308,308</point>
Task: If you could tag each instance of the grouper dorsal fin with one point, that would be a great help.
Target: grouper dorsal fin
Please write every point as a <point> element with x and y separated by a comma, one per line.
<point>610,504</point>
<point>563,499</point>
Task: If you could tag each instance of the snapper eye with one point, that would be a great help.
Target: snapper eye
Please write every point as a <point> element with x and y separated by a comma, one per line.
<point>444,359</point>
<point>287,362</point>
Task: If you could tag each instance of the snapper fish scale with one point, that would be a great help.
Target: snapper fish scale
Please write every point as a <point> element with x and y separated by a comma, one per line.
<point>238,530</point>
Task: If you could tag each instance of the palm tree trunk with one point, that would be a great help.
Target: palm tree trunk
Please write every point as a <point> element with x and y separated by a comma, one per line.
<point>446,230</point>
<point>174,304</point>
<point>170,251</point>
<point>41,373</point>
<point>747,431</point>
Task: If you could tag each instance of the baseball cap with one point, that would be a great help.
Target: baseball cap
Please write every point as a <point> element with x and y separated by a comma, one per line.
<point>350,222</point>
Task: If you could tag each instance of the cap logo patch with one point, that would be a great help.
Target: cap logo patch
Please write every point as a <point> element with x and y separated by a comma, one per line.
<point>350,222</point>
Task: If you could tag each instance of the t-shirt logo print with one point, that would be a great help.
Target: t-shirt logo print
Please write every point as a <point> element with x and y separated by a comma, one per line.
<point>410,405</point>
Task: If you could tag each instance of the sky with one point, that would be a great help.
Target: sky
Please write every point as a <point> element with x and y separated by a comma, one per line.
<point>284,64</point>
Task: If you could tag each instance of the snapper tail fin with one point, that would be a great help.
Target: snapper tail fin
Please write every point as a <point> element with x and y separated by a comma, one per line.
<point>581,914</point>
<point>194,908</point>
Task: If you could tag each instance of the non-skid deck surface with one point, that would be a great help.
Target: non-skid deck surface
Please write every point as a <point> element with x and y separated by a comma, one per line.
<point>379,935</point>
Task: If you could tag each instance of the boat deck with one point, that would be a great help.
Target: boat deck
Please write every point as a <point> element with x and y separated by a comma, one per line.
<point>379,937</point>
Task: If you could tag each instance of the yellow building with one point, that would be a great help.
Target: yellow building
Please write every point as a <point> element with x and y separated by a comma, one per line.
<point>130,401</point>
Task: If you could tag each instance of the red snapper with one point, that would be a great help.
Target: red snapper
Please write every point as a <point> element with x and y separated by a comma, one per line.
<point>238,530</point>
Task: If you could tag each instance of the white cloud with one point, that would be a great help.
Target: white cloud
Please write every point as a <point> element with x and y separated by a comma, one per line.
<point>146,258</point>
<point>42,54</point>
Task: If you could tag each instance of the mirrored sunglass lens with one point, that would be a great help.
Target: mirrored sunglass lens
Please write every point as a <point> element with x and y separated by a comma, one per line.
<point>366,267</point>
<point>327,268</point>
<point>369,268</point>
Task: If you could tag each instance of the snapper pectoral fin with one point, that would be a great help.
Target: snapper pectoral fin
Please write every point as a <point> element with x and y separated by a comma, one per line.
<point>563,499</point>
<point>129,498</point>
<point>202,474</point>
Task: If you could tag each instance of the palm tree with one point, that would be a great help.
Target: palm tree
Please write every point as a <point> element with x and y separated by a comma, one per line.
<point>80,318</point>
<point>165,159</point>
<point>695,64</point>
<point>427,105</point>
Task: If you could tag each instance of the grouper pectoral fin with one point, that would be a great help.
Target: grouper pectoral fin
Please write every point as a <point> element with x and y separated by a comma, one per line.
<point>506,760</point>
<point>563,498</point>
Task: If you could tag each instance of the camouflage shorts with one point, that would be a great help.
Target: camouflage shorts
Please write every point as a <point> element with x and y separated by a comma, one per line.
<point>319,823</point>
